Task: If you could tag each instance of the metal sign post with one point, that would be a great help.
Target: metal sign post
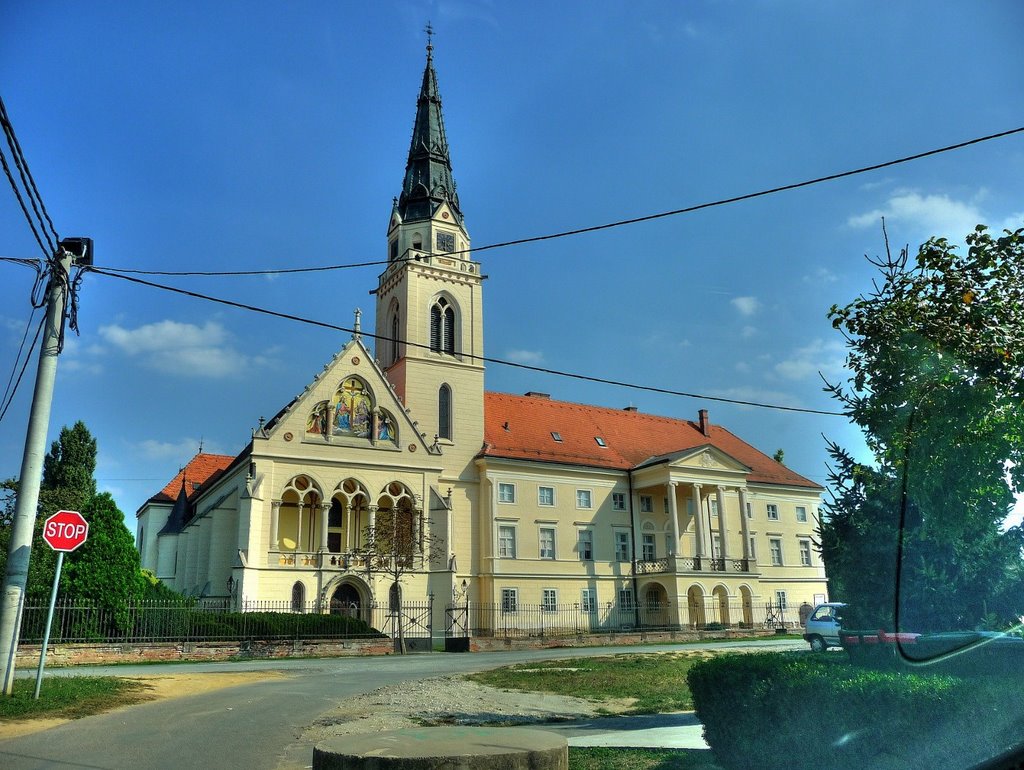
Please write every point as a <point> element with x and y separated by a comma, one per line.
<point>63,532</point>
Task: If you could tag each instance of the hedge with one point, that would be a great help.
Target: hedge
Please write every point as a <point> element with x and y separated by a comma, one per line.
<point>815,711</point>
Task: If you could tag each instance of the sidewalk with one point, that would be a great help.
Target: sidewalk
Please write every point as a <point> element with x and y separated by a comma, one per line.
<point>648,731</point>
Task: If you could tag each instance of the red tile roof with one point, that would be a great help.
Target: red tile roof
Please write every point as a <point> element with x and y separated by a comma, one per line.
<point>520,427</point>
<point>198,471</point>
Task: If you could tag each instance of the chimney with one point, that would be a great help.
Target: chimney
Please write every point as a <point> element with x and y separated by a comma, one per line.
<point>629,408</point>
<point>705,426</point>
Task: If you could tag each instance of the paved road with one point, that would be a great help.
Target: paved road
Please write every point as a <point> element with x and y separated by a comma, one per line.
<point>255,725</point>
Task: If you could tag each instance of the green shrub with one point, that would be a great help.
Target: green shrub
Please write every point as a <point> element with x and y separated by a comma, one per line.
<point>818,711</point>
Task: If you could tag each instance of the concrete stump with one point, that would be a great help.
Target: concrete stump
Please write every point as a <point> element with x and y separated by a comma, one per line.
<point>445,748</point>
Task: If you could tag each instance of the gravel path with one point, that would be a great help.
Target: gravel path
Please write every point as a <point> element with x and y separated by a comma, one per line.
<point>451,700</point>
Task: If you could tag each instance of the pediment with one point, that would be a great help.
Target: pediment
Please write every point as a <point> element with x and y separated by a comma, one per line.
<point>708,458</point>
<point>349,404</point>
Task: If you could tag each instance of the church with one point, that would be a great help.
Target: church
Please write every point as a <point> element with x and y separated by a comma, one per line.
<point>522,503</point>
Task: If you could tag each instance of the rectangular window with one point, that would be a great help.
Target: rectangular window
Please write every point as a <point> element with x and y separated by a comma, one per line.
<point>801,513</point>
<point>780,599</point>
<point>509,600</point>
<point>622,548</point>
<point>773,512</point>
<point>750,511</point>
<point>545,495</point>
<point>618,501</point>
<point>582,498</point>
<point>648,546</point>
<point>506,542</point>
<point>547,543</point>
<point>506,492</point>
<point>775,547</point>
<point>626,598</point>
<point>664,504</point>
<point>588,600</point>
<point>585,545</point>
<point>549,600</point>
<point>753,549</point>
<point>805,553</point>
<point>670,549</point>
<point>646,504</point>
<point>714,506</point>
<point>716,547</point>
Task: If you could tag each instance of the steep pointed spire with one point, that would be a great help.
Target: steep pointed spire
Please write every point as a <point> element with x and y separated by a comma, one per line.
<point>428,171</point>
<point>176,519</point>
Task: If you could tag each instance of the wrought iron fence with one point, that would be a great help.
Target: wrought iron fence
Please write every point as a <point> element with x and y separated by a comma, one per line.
<point>219,620</point>
<point>516,620</point>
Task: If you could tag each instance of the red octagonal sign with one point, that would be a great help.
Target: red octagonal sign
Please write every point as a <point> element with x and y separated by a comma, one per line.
<point>65,530</point>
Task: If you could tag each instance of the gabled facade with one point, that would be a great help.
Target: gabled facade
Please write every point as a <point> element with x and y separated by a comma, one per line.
<point>536,501</point>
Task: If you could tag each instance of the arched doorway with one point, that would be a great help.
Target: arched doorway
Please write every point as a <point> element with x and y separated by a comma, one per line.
<point>747,600</point>
<point>347,600</point>
<point>721,594</point>
<point>695,605</point>
<point>654,607</point>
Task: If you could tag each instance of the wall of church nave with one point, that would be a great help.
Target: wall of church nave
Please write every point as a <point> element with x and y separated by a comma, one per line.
<point>150,522</point>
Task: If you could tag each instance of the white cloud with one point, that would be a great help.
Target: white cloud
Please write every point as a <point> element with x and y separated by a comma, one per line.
<point>181,450</point>
<point>182,349</point>
<point>748,331</point>
<point>531,357</point>
<point>933,214</point>
<point>822,356</point>
<point>746,305</point>
<point>821,277</point>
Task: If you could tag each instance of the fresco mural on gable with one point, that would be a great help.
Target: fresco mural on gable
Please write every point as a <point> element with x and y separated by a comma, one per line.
<point>319,419</point>
<point>386,428</point>
<point>352,409</point>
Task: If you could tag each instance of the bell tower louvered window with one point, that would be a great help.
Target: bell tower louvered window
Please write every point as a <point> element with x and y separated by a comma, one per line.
<point>444,412</point>
<point>442,327</point>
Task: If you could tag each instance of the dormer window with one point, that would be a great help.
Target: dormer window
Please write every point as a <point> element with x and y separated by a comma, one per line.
<point>600,441</point>
<point>556,436</point>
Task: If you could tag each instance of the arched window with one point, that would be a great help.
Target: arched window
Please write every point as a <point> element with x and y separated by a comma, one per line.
<point>395,598</point>
<point>444,412</point>
<point>298,597</point>
<point>442,327</point>
<point>394,335</point>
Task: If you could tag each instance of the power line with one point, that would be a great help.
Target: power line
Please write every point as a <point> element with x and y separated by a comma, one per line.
<point>29,182</point>
<point>28,357</point>
<point>595,228</point>
<point>486,359</point>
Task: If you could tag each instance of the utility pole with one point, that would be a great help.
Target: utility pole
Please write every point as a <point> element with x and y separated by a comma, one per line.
<point>12,602</point>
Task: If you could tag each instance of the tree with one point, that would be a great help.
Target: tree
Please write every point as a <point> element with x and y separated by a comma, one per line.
<point>395,545</point>
<point>106,570</point>
<point>936,353</point>
<point>779,456</point>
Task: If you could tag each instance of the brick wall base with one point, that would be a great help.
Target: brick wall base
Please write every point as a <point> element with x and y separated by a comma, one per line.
<point>84,654</point>
<point>489,644</point>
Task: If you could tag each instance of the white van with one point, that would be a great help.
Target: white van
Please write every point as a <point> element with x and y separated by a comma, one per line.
<point>822,628</point>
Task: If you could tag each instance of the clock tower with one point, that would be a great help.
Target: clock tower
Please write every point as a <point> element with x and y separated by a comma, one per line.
<point>429,318</point>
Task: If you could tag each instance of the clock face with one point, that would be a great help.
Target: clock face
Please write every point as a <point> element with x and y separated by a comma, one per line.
<point>445,242</point>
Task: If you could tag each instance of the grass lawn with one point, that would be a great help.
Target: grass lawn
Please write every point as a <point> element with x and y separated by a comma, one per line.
<point>69,697</point>
<point>640,759</point>
<point>656,682</point>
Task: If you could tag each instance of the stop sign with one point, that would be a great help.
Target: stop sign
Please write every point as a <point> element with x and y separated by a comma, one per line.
<point>65,530</point>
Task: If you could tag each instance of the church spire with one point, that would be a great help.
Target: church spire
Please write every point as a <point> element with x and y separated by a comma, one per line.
<point>428,172</point>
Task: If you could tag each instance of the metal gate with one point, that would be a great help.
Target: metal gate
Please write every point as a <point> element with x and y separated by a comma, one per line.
<point>456,633</point>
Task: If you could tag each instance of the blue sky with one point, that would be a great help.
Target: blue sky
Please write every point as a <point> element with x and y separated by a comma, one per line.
<point>229,136</point>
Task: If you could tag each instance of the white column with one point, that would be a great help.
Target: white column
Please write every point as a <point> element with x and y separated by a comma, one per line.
<point>722,529</point>
<point>698,523</point>
<point>673,512</point>
<point>298,528</point>
<point>372,509</point>
<point>349,545</point>
<point>744,525</point>
<point>275,518</point>
<point>325,510</point>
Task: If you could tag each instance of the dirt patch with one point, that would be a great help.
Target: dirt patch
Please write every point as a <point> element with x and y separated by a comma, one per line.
<point>158,687</point>
<point>452,700</point>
